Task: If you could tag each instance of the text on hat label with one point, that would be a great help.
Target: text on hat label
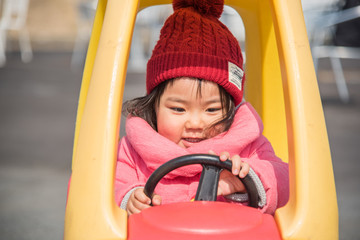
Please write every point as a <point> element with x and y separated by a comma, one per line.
<point>236,75</point>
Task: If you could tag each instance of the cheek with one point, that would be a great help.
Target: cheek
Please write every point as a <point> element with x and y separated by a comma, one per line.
<point>169,127</point>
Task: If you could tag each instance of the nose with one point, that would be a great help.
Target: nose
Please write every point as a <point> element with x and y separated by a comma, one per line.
<point>195,122</point>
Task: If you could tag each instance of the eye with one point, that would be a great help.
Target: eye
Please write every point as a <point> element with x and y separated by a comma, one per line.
<point>177,109</point>
<point>212,110</point>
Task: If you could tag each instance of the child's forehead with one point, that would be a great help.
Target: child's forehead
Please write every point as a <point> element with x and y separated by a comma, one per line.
<point>192,83</point>
<point>192,87</point>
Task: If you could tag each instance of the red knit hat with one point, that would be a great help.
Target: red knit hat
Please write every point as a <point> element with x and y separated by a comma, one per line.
<point>194,43</point>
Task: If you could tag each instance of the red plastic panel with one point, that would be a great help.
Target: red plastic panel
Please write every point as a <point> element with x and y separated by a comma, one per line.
<point>202,220</point>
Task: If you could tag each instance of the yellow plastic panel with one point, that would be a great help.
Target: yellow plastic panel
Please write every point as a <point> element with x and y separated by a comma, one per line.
<point>149,3</point>
<point>307,215</point>
<point>89,63</point>
<point>91,211</point>
<point>263,76</point>
<point>282,85</point>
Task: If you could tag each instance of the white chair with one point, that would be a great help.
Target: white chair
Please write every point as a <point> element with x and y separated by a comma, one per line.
<point>322,28</point>
<point>14,18</point>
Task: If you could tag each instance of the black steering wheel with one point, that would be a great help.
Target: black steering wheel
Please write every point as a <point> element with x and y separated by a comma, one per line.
<point>209,180</point>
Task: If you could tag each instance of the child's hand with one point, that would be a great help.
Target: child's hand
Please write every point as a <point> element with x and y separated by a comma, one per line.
<point>229,182</point>
<point>139,201</point>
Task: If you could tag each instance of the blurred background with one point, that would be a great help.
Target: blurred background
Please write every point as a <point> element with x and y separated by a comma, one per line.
<point>42,50</point>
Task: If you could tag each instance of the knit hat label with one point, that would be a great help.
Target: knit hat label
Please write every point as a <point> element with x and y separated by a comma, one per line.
<point>236,75</point>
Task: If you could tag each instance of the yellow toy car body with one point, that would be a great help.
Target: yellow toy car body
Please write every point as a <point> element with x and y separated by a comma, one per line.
<point>281,85</point>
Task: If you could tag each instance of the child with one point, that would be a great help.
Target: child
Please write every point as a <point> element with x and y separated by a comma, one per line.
<point>195,82</point>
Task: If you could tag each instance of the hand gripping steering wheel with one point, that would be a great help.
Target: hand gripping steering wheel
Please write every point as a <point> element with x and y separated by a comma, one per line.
<point>209,180</point>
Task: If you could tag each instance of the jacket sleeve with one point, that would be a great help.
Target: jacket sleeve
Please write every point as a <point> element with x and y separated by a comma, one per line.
<point>126,177</point>
<point>272,171</point>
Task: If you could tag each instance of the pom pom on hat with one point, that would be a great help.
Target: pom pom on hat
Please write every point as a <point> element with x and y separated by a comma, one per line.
<point>206,7</point>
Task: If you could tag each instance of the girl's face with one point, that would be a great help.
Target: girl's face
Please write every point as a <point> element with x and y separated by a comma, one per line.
<point>184,113</point>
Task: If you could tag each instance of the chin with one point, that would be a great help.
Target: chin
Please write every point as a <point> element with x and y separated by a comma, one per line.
<point>181,144</point>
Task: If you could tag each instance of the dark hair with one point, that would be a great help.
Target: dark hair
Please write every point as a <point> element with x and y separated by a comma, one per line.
<point>144,107</point>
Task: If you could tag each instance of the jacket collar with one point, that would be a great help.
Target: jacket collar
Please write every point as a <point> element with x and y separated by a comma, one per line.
<point>155,149</point>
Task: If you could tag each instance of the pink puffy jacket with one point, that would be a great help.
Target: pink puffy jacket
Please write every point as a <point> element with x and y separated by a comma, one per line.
<point>143,150</point>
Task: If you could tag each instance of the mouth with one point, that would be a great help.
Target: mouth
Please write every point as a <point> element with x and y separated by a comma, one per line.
<point>193,140</point>
<point>189,141</point>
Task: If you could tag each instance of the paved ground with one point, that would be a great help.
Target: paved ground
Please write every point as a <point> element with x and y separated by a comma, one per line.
<point>37,115</point>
